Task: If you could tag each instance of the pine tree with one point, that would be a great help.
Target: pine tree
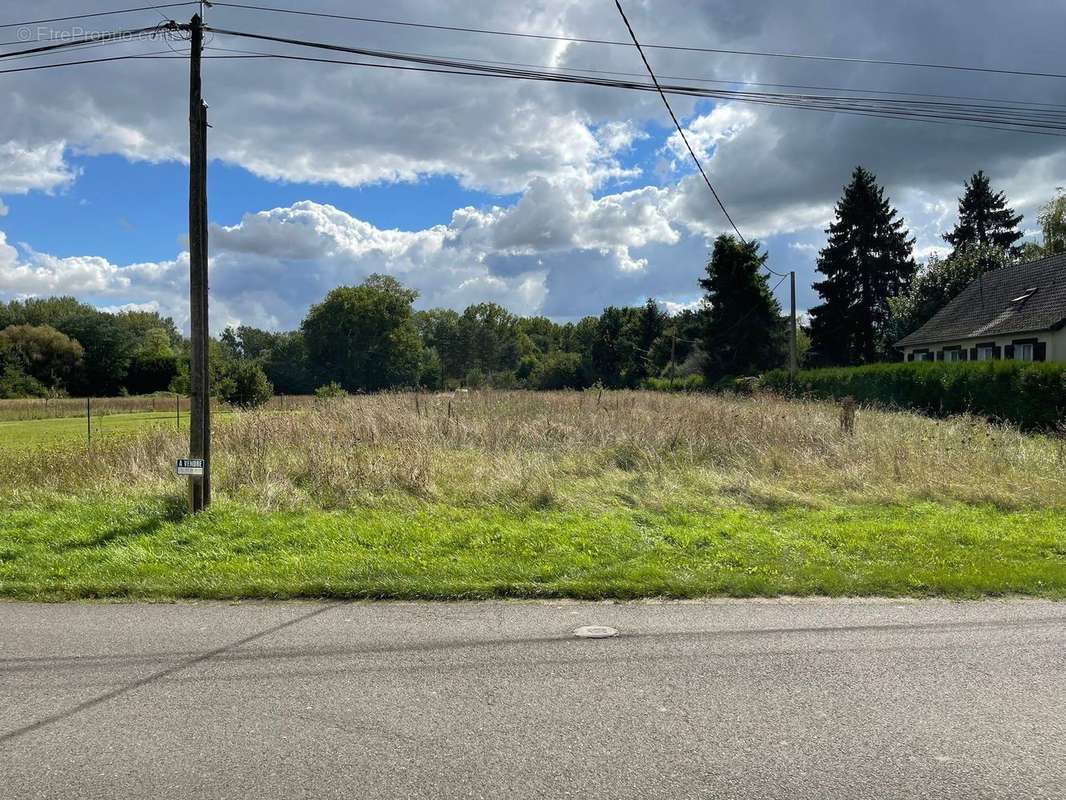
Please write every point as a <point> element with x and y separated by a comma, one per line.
<point>744,333</point>
<point>866,261</point>
<point>984,218</point>
<point>649,324</point>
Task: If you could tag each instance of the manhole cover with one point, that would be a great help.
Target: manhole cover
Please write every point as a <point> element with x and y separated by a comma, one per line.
<point>595,632</point>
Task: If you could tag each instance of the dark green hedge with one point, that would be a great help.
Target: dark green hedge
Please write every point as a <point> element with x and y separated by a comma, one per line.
<point>1030,395</point>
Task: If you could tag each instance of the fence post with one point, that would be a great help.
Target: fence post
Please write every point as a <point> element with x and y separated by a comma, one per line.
<point>89,420</point>
<point>177,410</point>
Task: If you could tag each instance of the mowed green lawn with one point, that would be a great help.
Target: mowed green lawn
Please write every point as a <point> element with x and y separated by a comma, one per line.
<point>35,432</point>
<point>59,548</point>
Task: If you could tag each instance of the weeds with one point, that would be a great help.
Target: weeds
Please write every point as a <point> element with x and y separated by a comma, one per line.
<point>505,447</point>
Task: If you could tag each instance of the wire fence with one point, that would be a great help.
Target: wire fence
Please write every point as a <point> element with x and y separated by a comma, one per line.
<point>27,409</point>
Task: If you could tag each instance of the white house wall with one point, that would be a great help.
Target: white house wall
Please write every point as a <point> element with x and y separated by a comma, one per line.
<point>1056,343</point>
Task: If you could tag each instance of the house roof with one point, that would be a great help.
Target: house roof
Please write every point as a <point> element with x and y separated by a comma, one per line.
<point>1001,302</point>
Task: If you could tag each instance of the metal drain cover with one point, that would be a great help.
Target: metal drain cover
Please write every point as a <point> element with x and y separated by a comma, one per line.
<point>595,632</point>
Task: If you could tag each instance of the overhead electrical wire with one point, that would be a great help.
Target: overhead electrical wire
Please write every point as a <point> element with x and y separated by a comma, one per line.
<point>682,48</point>
<point>160,55</point>
<point>103,37</point>
<point>677,124</point>
<point>1005,108</point>
<point>88,15</point>
<point>1032,120</point>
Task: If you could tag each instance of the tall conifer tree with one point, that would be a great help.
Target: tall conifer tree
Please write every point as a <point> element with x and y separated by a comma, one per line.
<point>985,218</point>
<point>867,260</point>
<point>745,333</point>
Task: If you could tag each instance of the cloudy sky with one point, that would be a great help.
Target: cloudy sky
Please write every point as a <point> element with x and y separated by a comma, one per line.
<point>550,199</point>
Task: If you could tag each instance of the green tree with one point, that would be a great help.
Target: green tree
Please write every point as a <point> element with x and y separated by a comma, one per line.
<point>439,329</point>
<point>744,334</point>
<point>867,260</point>
<point>984,218</point>
<point>14,383</point>
<point>488,333</point>
<point>109,347</point>
<point>43,353</point>
<point>153,363</point>
<point>939,282</point>
<point>613,351</point>
<point>288,365</point>
<point>1052,219</point>
<point>364,336</point>
<point>542,332</point>
<point>648,325</point>
<point>557,370</point>
<point>244,384</point>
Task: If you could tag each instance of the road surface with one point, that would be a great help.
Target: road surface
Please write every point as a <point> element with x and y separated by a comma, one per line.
<point>721,699</point>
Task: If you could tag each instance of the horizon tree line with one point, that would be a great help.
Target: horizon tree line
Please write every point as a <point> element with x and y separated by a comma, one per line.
<point>369,337</point>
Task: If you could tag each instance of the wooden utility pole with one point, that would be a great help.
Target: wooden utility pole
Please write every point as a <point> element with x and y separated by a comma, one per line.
<point>793,356</point>
<point>200,411</point>
<point>673,349</point>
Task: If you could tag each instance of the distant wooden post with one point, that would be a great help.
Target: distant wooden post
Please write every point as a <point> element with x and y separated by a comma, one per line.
<point>847,415</point>
<point>793,355</point>
<point>89,421</point>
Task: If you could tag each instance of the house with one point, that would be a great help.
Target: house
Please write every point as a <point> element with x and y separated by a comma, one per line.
<point>1016,312</point>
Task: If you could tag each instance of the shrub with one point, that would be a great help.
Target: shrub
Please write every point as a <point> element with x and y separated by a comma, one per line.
<point>684,383</point>
<point>557,370</point>
<point>16,383</point>
<point>1032,396</point>
<point>331,389</point>
<point>244,384</point>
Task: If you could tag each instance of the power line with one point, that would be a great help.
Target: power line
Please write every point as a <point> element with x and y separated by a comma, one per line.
<point>95,14</point>
<point>673,116</point>
<point>159,55</point>
<point>681,48</point>
<point>971,116</point>
<point>1006,109</point>
<point>105,37</point>
<point>1023,104</point>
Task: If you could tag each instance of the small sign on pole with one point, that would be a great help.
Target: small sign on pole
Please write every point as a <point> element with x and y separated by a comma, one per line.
<point>191,466</point>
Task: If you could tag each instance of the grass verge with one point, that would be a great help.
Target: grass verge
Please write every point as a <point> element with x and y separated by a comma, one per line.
<point>59,548</point>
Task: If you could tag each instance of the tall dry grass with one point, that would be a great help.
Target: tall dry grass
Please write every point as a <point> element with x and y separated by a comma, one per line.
<point>575,448</point>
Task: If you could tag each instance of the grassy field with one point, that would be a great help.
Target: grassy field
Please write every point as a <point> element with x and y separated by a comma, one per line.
<point>34,433</point>
<point>624,494</point>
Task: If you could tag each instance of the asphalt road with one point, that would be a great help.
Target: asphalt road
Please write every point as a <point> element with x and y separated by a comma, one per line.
<point>762,699</point>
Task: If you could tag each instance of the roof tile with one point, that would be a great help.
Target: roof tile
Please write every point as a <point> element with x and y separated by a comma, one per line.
<point>990,306</point>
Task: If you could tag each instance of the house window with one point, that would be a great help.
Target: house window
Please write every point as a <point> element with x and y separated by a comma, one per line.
<point>1023,352</point>
<point>923,356</point>
<point>984,352</point>
<point>953,355</point>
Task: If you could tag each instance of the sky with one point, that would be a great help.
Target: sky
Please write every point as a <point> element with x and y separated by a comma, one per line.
<point>546,198</point>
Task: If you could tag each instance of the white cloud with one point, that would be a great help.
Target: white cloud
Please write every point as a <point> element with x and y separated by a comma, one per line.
<point>25,168</point>
<point>707,131</point>
<point>267,269</point>
<point>573,241</point>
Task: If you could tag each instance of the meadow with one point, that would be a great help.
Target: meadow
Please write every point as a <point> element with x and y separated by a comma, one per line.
<point>587,494</point>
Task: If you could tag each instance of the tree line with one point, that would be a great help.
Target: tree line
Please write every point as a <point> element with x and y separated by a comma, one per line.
<point>369,337</point>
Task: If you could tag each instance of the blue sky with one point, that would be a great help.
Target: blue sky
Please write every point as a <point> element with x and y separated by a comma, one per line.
<point>138,211</point>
